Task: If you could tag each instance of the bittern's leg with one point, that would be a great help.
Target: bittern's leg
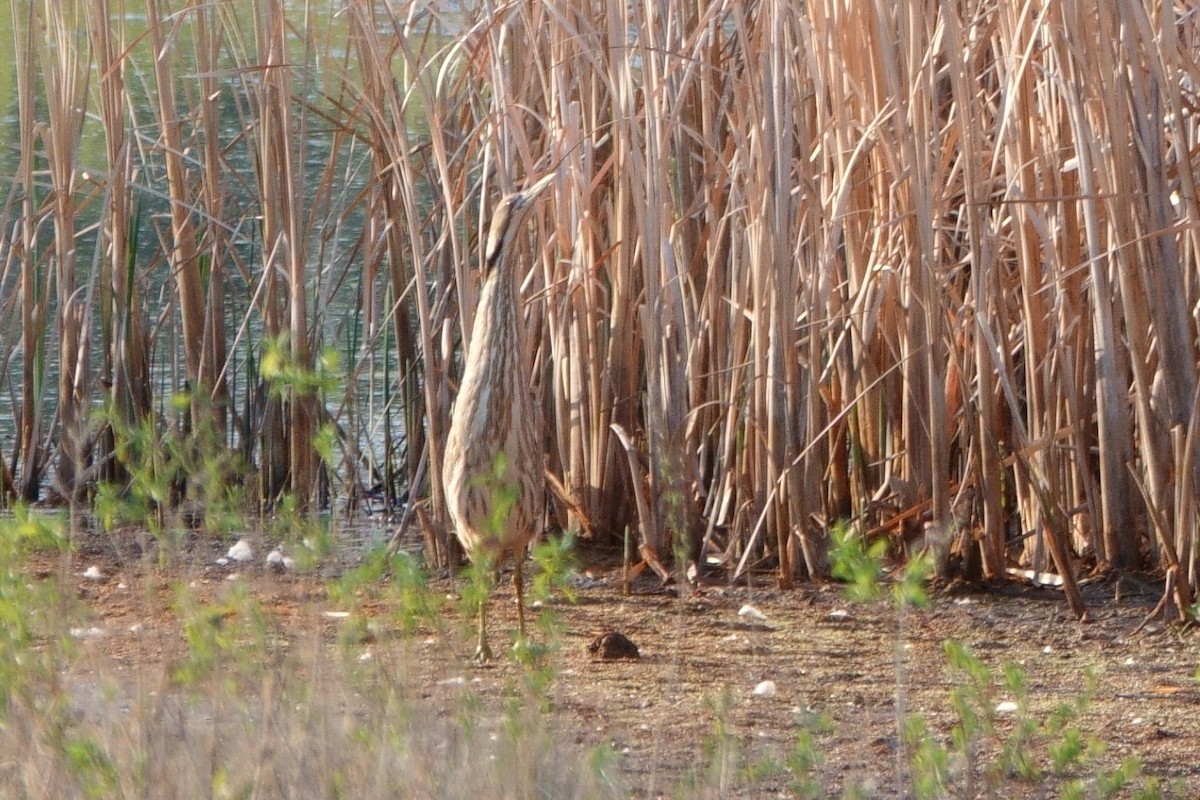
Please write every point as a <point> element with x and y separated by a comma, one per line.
<point>483,653</point>
<point>518,586</point>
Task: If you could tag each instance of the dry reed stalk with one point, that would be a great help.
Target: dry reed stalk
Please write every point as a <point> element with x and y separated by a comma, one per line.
<point>1021,150</point>
<point>669,294</point>
<point>30,456</point>
<point>183,254</point>
<point>281,158</point>
<point>858,274</point>
<point>65,77</point>
<point>576,300</point>
<point>213,371</point>
<point>419,274</point>
<point>962,49</point>
<point>597,358</point>
<point>1166,379</point>
<point>384,242</point>
<point>126,352</point>
<point>761,133</point>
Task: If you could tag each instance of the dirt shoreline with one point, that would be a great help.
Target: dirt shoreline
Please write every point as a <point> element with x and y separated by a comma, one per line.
<point>667,714</point>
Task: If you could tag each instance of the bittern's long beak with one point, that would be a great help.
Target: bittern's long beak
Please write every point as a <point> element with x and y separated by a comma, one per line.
<point>529,193</point>
<point>508,217</point>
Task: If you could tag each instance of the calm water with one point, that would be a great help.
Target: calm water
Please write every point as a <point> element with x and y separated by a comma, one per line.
<point>334,250</point>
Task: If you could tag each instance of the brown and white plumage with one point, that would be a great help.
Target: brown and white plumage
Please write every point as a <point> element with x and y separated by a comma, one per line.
<point>494,471</point>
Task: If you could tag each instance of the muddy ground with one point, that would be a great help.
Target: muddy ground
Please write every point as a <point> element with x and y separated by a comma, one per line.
<point>702,661</point>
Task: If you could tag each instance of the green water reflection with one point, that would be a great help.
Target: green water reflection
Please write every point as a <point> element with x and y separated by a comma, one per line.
<point>323,78</point>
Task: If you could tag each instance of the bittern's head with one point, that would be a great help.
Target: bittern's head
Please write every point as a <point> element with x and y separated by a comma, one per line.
<point>507,220</point>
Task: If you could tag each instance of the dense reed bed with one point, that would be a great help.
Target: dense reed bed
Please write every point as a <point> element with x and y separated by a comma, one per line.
<point>929,267</point>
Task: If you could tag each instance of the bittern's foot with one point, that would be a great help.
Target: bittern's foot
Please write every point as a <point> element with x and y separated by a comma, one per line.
<point>483,654</point>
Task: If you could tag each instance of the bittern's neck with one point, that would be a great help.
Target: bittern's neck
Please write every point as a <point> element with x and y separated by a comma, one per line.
<point>499,301</point>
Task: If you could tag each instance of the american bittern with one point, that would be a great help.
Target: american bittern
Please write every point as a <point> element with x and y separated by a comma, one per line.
<point>494,470</point>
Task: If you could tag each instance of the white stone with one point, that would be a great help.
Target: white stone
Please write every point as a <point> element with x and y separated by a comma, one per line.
<point>242,551</point>
<point>751,612</point>
<point>87,633</point>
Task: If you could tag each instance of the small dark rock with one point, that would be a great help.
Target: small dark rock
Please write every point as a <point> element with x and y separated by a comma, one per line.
<point>613,646</point>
